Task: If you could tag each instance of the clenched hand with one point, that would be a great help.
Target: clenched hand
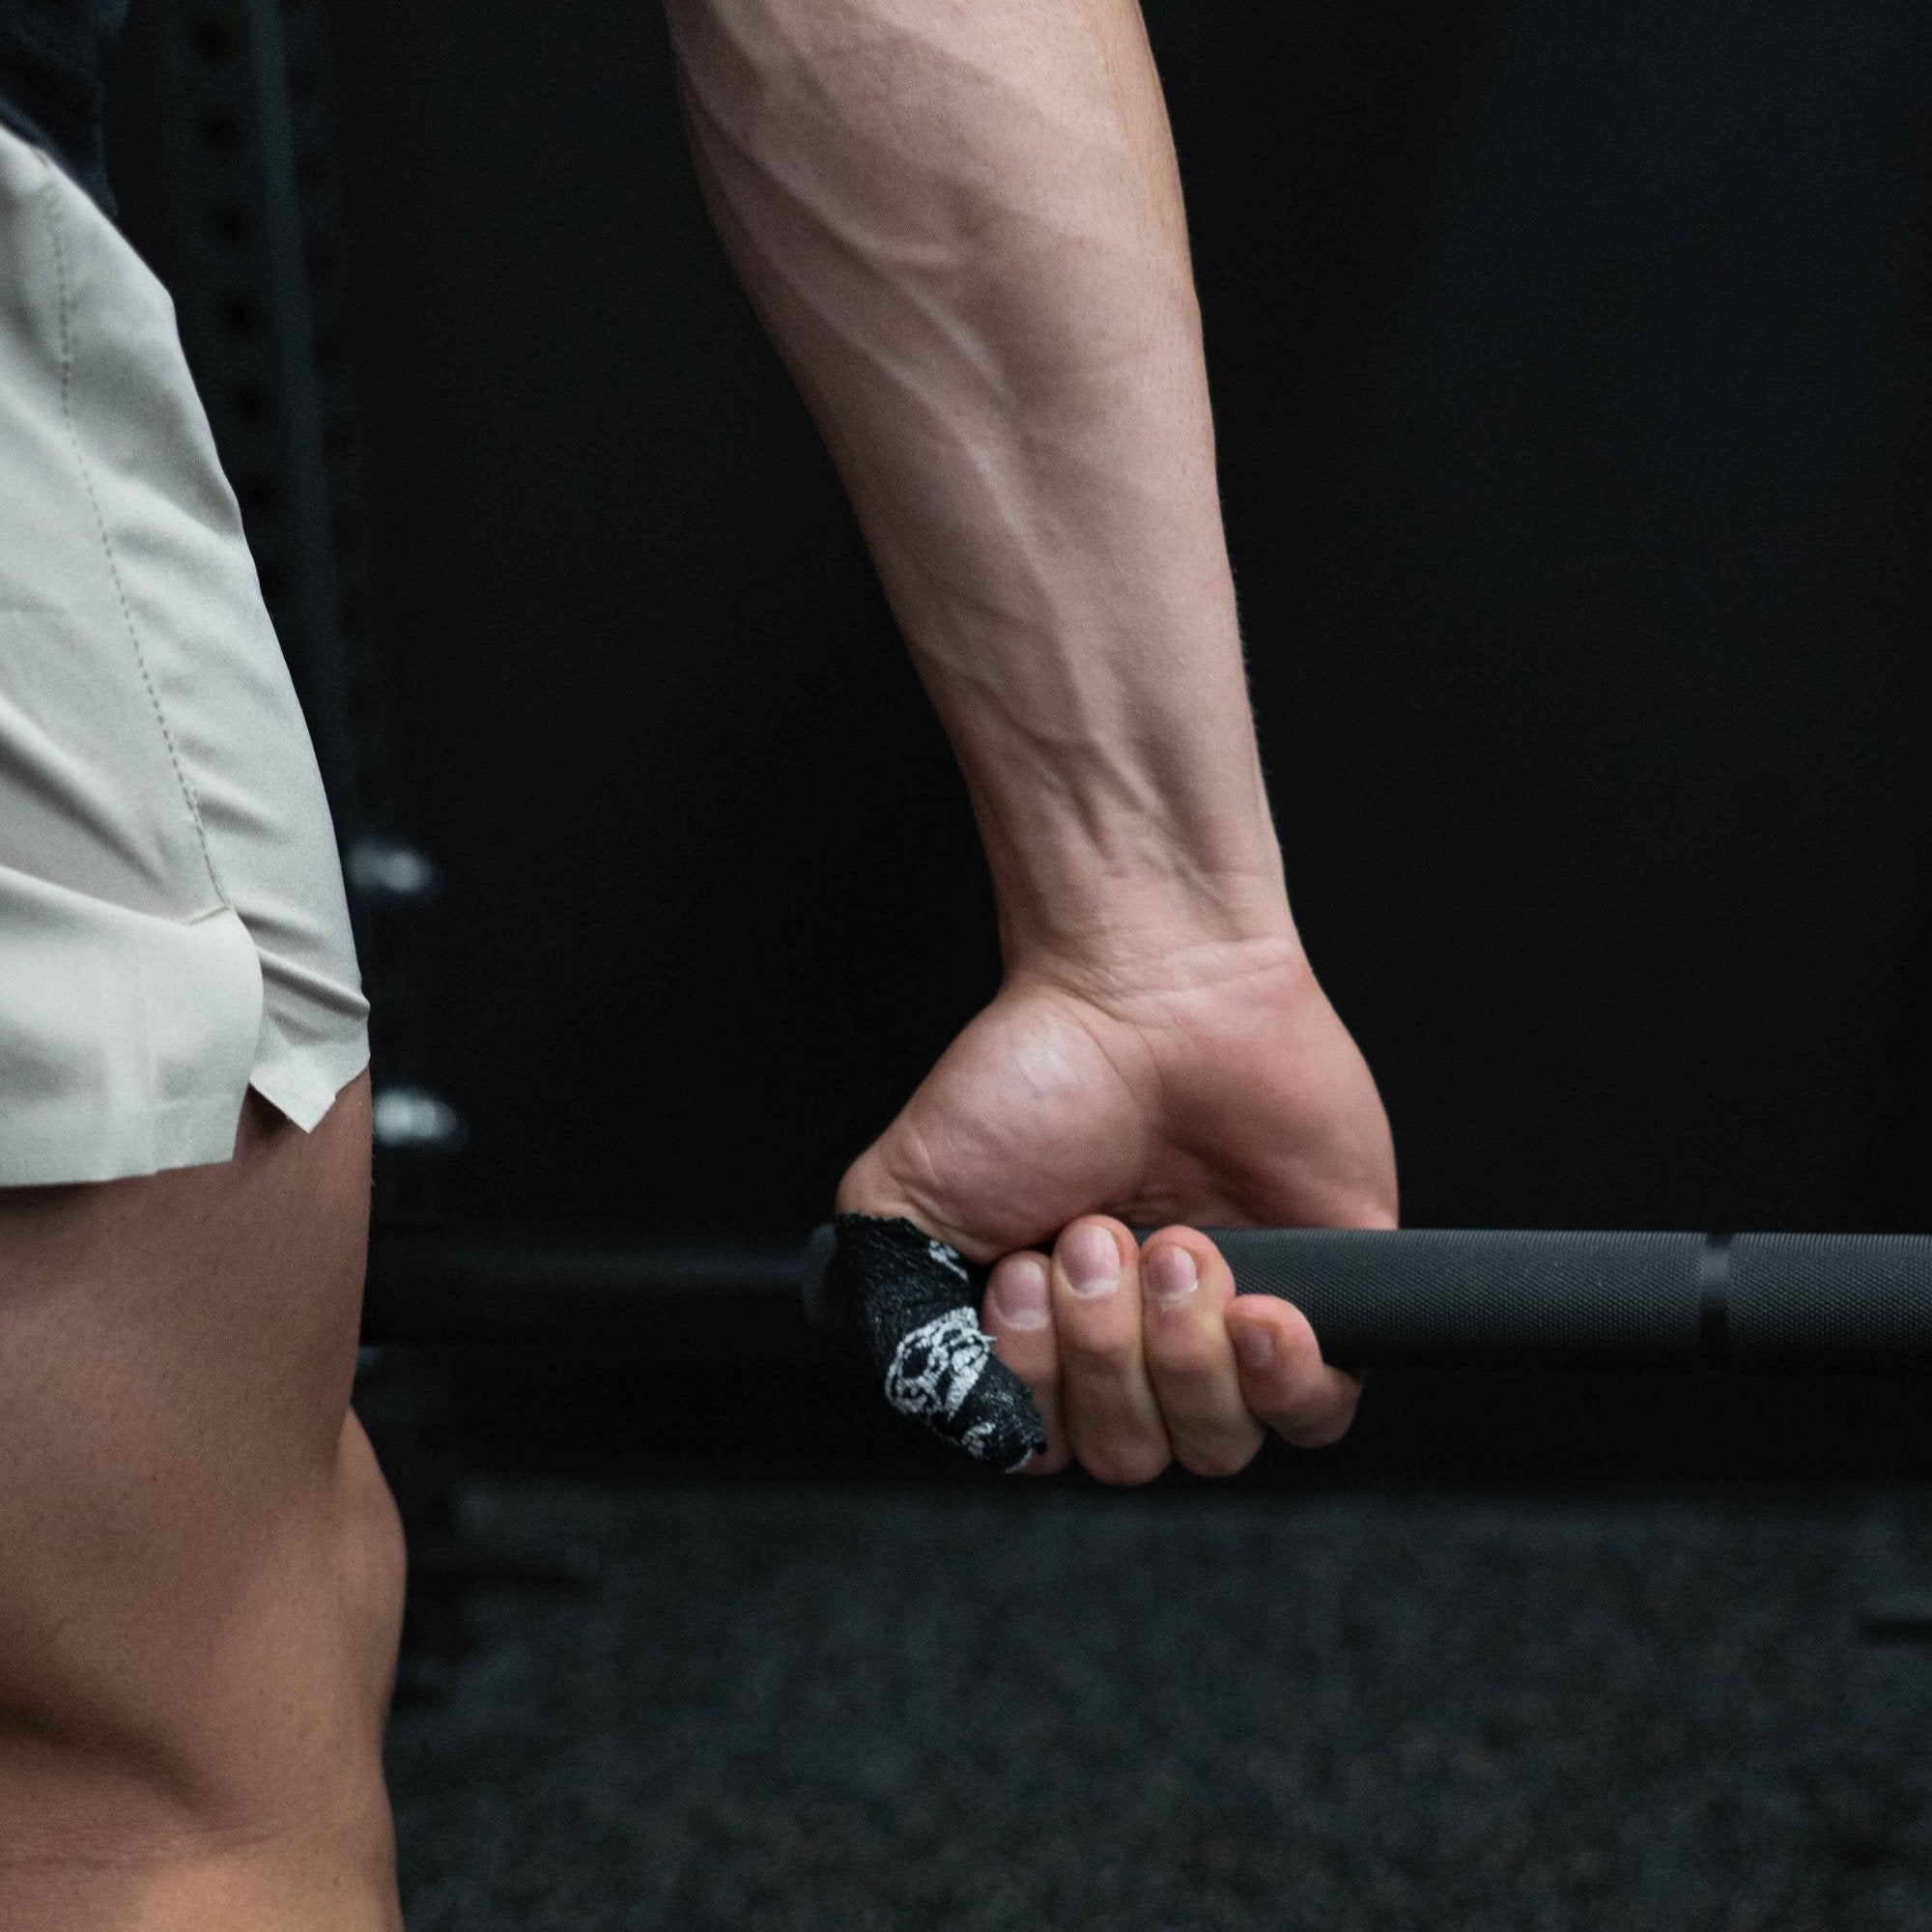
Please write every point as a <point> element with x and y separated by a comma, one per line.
<point>1211,1086</point>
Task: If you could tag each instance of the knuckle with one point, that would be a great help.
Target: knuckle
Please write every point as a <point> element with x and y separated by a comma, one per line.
<point>1111,1355</point>
<point>1216,1458</point>
<point>1022,1352</point>
<point>1319,1429</point>
<point>1124,1468</point>
<point>1188,1356</point>
<point>1325,1434</point>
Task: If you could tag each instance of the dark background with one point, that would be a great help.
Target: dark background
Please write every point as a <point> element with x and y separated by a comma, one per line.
<point>1570,369</point>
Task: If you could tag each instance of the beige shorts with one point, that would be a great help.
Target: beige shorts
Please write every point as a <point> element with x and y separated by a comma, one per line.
<point>172,923</point>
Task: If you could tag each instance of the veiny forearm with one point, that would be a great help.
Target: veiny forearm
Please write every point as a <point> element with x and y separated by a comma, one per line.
<point>961,222</point>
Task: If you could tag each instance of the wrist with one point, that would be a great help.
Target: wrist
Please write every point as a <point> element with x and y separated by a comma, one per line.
<point>1115,780</point>
<point>1099,927</point>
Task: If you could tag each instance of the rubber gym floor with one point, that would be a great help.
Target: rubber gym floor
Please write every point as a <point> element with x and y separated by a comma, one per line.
<point>815,1678</point>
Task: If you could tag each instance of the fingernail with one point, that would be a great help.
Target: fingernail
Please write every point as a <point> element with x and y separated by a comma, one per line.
<point>1171,1274</point>
<point>1253,1344</point>
<point>1020,1291</point>
<point>1092,1260</point>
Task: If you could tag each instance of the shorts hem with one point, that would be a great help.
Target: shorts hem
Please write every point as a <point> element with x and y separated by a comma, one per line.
<point>190,1133</point>
<point>303,1085</point>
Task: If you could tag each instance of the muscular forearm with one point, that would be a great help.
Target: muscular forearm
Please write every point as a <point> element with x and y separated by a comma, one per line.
<point>961,222</point>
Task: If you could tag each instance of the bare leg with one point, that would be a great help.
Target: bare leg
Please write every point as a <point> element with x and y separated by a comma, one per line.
<point>202,1581</point>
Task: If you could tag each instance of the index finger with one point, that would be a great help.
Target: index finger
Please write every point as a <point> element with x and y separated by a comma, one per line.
<point>1017,1314</point>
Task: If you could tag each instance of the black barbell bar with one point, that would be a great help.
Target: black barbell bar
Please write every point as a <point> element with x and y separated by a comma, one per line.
<point>1408,1299</point>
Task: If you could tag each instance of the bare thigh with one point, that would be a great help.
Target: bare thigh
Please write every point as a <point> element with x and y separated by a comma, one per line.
<point>202,1566</point>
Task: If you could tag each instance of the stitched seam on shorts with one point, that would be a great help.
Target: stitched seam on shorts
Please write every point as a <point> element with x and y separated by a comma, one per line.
<point>188,798</point>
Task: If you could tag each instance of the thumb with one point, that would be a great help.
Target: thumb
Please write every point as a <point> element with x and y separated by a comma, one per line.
<point>918,1301</point>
